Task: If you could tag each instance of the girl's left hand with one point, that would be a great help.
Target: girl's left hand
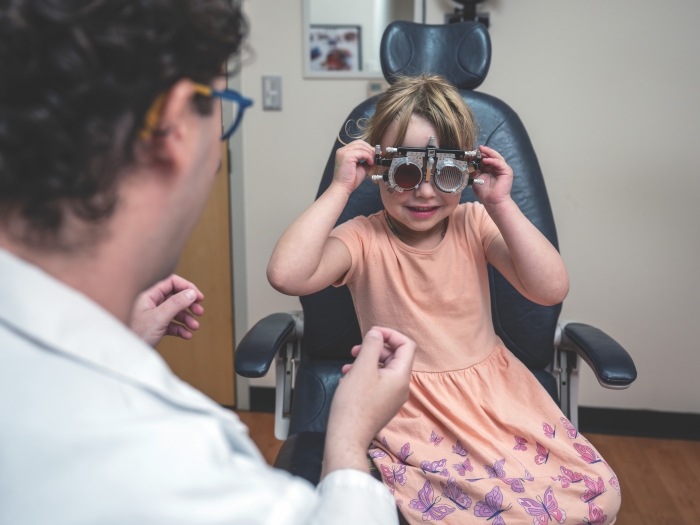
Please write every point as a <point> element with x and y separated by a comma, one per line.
<point>497,177</point>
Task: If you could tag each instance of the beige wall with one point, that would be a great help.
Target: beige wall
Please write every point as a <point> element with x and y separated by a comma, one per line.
<point>608,92</point>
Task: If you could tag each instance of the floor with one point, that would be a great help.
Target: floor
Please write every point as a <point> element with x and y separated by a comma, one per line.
<point>660,478</point>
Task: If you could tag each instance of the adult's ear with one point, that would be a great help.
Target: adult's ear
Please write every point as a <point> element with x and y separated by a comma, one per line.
<point>169,140</point>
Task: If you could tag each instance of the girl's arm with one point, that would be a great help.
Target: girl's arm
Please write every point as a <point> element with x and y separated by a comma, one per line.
<point>521,253</point>
<point>305,259</point>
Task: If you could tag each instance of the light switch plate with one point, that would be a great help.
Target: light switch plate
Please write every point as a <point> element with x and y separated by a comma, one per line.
<point>375,87</point>
<point>272,93</point>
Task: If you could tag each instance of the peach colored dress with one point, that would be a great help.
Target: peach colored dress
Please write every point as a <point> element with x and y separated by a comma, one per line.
<point>479,440</point>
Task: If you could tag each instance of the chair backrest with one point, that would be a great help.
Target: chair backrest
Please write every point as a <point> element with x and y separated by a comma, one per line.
<point>460,52</point>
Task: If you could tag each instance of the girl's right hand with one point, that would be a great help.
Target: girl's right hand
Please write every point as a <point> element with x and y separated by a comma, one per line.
<point>348,172</point>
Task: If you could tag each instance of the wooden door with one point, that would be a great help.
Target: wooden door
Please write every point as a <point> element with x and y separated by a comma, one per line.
<point>206,360</point>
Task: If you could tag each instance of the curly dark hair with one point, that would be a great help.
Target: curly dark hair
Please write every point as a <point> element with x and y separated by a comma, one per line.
<point>76,80</point>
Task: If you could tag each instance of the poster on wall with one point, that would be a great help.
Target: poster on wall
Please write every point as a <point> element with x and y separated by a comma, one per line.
<point>335,47</point>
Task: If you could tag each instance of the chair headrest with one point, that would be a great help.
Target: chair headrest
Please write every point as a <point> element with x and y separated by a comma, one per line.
<point>459,52</point>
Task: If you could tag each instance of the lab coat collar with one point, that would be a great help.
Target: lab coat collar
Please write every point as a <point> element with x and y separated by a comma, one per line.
<point>62,320</point>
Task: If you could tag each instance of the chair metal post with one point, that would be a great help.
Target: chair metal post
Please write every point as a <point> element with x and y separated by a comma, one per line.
<point>566,367</point>
<point>286,364</point>
<point>573,363</point>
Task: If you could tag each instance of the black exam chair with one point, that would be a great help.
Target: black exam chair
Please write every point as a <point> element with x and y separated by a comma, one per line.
<point>317,343</point>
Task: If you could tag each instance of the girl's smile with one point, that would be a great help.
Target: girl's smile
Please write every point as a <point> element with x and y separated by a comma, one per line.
<point>423,212</point>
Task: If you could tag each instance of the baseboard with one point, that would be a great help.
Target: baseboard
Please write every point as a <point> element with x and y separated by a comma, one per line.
<point>595,420</point>
<point>641,423</point>
<point>262,399</point>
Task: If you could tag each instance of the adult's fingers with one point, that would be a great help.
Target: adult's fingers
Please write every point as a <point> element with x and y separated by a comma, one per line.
<point>179,284</point>
<point>177,330</point>
<point>385,354</point>
<point>185,318</point>
<point>174,305</point>
<point>392,338</point>
<point>404,349</point>
<point>372,345</point>
<point>197,309</point>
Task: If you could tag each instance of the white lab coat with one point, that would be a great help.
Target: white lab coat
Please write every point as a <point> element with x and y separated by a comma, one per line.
<point>96,429</point>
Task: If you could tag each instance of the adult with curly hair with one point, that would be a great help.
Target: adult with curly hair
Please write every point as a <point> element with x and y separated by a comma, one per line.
<point>109,142</point>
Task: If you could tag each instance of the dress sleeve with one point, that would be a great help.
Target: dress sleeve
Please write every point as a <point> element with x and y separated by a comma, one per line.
<point>485,226</point>
<point>356,234</point>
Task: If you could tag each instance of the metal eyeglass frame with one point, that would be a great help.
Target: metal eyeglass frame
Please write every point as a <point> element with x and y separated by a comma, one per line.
<point>154,112</point>
<point>425,159</point>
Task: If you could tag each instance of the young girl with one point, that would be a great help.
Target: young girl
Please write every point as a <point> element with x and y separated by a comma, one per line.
<point>479,440</point>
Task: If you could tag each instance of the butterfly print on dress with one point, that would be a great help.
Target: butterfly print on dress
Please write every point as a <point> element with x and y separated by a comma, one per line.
<point>435,439</point>
<point>593,489</point>
<point>491,508</point>
<point>587,454</point>
<point>595,516</point>
<point>376,453</point>
<point>404,453</point>
<point>462,467</point>
<point>394,475</point>
<point>542,454</point>
<point>544,509</point>
<point>497,471</point>
<point>435,467</point>
<point>570,430</point>
<point>428,505</point>
<point>516,484</point>
<point>548,430</point>
<point>452,491</point>
<point>614,483</point>
<point>568,477</point>
<point>520,443</point>
<point>459,449</point>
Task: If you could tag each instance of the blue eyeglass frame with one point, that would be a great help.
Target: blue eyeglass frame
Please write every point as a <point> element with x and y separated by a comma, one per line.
<point>153,114</point>
<point>227,94</point>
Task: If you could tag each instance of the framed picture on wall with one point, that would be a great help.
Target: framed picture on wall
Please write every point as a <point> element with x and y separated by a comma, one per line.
<point>335,47</point>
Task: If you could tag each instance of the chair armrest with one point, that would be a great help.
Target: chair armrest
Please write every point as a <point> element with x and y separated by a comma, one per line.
<point>612,365</point>
<point>260,345</point>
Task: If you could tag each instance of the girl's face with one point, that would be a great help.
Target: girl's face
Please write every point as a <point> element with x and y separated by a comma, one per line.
<point>424,209</point>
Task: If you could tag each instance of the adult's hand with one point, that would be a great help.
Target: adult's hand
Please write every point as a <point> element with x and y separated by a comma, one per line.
<point>163,310</point>
<point>370,394</point>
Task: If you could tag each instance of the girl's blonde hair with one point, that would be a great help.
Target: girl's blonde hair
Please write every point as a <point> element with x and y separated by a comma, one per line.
<point>429,96</point>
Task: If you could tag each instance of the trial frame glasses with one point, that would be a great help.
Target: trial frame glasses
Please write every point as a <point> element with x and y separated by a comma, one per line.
<point>450,170</point>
